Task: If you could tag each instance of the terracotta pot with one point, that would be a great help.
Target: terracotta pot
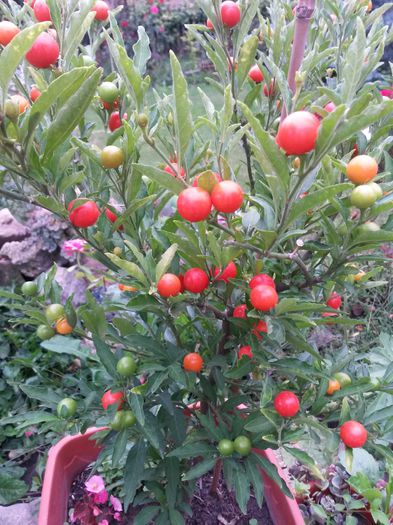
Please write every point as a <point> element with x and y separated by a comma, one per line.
<point>74,453</point>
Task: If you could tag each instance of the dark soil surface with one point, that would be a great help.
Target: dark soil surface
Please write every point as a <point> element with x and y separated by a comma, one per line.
<point>207,509</point>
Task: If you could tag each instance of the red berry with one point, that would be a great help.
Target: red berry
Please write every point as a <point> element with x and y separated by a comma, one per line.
<point>193,362</point>
<point>269,91</point>
<point>334,301</point>
<point>114,121</point>
<point>330,106</point>
<point>286,404</point>
<point>181,279</point>
<point>209,24</point>
<point>353,434</point>
<point>262,278</point>
<point>227,196</point>
<point>240,311</point>
<point>194,204</point>
<point>84,215</point>
<point>196,280</point>
<point>169,170</point>
<point>41,11</point>
<point>245,350</point>
<point>44,52</point>
<point>101,9</point>
<point>256,74</point>
<point>230,13</point>
<point>8,31</point>
<point>298,133</point>
<point>169,285</point>
<point>259,327</point>
<point>112,217</point>
<point>263,297</point>
<point>229,272</point>
<point>34,93</point>
<point>111,398</point>
<point>109,106</point>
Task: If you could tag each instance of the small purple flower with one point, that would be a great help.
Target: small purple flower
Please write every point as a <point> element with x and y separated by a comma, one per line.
<point>116,503</point>
<point>117,516</point>
<point>95,485</point>
<point>154,10</point>
<point>124,23</point>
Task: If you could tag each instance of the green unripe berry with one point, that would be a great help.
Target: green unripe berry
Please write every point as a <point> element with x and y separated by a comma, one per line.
<point>45,332</point>
<point>67,408</point>
<point>226,447</point>
<point>242,445</point>
<point>126,366</point>
<point>29,288</point>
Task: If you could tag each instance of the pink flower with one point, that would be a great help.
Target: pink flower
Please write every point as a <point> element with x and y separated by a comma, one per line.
<point>101,497</point>
<point>124,23</point>
<point>161,29</point>
<point>387,93</point>
<point>116,503</point>
<point>73,246</point>
<point>154,10</point>
<point>117,516</point>
<point>29,433</point>
<point>104,522</point>
<point>96,511</point>
<point>95,484</point>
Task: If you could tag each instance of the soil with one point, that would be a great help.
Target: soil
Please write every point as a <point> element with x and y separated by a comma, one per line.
<point>207,509</point>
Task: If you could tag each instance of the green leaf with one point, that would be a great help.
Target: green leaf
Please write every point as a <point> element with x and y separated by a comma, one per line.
<point>244,367</point>
<point>66,345</point>
<point>79,24</point>
<point>172,471</point>
<point>271,471</point>
<point>200,469</point>
<point>41,393</point>
<point>161,177</point>
<point>152,431</point>
<point>133,471</point>
<point>271,158</point>
<point>11,489</point>
<point>182,109</point>
<point>128,72</point>
<point>165,261</point>
<point>106,356</point>
<point>142,51</point>
<point>256,480</point>
<point>304,458</point>
<point>35,417</point>
<point>14,52</point>
<point>354,61</point>
<point>136,402</point>
<point>242,489</point>
<point>191,450</point>
<point>146,515</point>
<point>246,58</point>
<point>65,85</point>
<point>129,267</point>
<point>315,199</point>
<point>119,447</point>
<point>70,114</point>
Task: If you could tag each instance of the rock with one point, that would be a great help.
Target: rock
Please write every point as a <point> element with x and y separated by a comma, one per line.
<point>20,514</point>
<point>8,272</point>
<point>10,228</point>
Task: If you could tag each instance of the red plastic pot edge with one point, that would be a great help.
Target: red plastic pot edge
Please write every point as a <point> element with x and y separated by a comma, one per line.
<point>72,454</point>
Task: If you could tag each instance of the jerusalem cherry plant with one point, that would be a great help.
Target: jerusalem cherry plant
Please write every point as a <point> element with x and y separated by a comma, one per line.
<point>231,234</point>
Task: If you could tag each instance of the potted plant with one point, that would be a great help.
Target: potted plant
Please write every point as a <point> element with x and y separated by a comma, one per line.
<point>224,236</point>
<point>74,453</point>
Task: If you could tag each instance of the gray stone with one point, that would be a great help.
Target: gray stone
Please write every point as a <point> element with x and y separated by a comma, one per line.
<point>10,228</point>
<point>8,272</point>
<point>20,514</point>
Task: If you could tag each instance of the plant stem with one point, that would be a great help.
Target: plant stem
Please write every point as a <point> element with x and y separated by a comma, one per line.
<point>216,477</point>
<point>304,11</point>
